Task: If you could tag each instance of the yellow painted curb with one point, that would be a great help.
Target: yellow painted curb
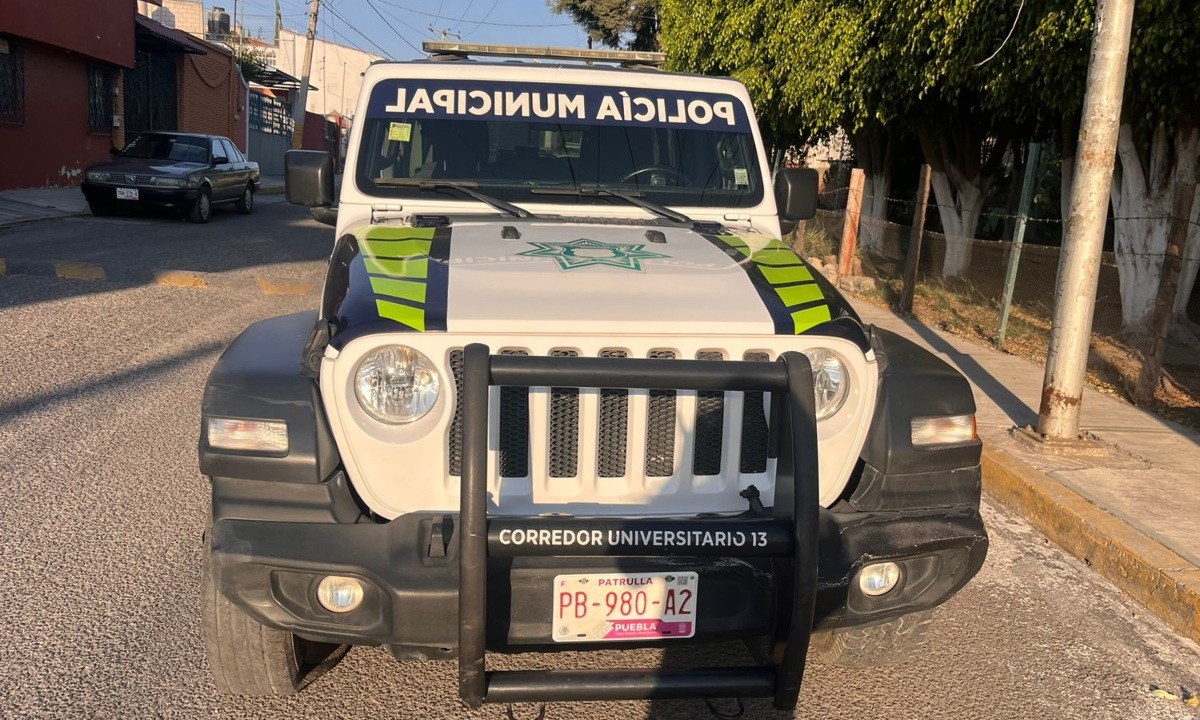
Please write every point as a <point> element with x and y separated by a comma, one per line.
<point>1157,577</point>
<point>284,287</point>
<point>3,266</point>
<point>180,278</point>
<point>79,271</point>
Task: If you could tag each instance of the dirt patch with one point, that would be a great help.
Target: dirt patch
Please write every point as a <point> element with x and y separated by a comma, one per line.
<point>1114,359</point>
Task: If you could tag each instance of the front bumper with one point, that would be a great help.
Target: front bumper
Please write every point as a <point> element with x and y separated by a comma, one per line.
<point>421,568</point>
<point>410,569</point>
<point>164,196</point>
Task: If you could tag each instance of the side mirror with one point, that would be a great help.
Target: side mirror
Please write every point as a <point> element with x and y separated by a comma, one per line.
<point>220,160</point>
<point>308,177</point>
<point>795,196</point>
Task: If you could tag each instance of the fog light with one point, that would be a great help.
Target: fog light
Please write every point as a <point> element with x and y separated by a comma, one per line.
<point>879,579</point>
<point>339,594</point>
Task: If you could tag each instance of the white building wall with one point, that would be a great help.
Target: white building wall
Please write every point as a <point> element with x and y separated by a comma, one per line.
<point>336,71</point>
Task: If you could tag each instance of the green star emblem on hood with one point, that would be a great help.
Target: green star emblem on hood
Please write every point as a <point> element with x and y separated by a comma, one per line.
<point>588,253</point>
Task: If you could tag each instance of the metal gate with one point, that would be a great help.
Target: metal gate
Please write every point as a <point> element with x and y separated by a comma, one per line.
<point>271,127</point>
<point>151,94</point>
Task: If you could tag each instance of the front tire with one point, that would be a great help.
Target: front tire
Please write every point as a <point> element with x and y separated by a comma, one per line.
<point>201,209</point>
<point>249,658</point>
<point>889,643</point>
<point>245,203</point>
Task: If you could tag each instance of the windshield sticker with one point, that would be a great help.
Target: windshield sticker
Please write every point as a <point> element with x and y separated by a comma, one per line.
<point>401,132</point>
<point>558,103</point>
<point>583,253</point>
<point>740,176</point>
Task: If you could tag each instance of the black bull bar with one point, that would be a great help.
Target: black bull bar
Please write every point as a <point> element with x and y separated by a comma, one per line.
<point>791,531</point>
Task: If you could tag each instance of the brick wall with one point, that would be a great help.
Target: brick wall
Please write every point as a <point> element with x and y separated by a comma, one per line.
<point>211,95</point>
<point>185,15</point>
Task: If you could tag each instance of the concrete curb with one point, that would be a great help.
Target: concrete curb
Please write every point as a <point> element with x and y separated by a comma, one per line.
<point>190,279</point>
<point>1154,575</point>
<point>272,190</point>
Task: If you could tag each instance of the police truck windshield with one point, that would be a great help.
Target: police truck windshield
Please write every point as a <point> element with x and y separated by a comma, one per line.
<point>513,139</point>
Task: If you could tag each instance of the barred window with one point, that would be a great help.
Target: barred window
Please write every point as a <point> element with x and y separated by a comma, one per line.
<point>12,83</point>
<point>102,83</point>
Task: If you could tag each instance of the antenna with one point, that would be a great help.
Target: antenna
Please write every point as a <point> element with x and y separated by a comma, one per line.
<point>445,32</point>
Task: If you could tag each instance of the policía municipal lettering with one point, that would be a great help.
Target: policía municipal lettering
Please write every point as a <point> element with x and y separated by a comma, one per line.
<point>621,106</point>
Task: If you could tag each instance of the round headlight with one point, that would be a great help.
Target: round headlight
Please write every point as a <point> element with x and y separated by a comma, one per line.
<point>831,382</point>
<point>396,384</point>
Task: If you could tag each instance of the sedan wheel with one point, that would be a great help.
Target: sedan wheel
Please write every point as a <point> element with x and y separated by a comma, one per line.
<point>202,208</point>
<point>246,202</point>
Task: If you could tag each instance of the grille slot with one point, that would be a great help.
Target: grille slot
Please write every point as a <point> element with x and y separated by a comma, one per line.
<point>660,427</point>
<point>613,430</point>
<point>564,427</point>
<point>514,428</point>
<point>454,446</point>
<point>754,427</point>
<point>710,425</point>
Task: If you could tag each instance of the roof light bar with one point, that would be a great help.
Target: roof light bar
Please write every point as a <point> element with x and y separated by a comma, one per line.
<point>624,57</point>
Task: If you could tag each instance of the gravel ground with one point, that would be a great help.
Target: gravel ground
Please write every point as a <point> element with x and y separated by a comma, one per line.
<point>101,512</point>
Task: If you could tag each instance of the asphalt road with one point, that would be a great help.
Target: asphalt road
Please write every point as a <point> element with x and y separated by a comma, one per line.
<point>101,512</point>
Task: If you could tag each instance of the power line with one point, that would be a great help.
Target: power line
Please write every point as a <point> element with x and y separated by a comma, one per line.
<point>393,28</point>
<point>348,24</point>
<point>477,22</point>
<point>466,10</point>
<point>486,15</point>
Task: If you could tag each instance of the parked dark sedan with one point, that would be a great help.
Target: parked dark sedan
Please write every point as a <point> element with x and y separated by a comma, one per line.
<point>188,171</point>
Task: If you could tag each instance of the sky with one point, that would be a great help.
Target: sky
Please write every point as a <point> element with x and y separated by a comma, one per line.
<point>395,28</point>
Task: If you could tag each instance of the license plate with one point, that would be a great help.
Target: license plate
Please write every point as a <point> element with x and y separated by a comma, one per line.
<point>127,194</point>
<point>620,606</point>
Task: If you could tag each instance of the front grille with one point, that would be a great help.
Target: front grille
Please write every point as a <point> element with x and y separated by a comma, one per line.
<point>514,428</point>
<point>613,433</point>
<point>754,427</point>
<point>564,427</point>
<point>713,447</point>
<point>710,424</point>
<point>660,427</point>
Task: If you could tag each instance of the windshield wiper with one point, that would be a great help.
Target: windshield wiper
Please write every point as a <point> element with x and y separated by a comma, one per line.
<point>629,197</point>
<point>466,188</point>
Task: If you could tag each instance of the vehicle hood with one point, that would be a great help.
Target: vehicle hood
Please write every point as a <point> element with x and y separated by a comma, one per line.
<point>141,166</point>
<point>570,278</point>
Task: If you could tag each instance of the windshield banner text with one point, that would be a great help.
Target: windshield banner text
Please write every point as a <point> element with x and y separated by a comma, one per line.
<point>556,103</point>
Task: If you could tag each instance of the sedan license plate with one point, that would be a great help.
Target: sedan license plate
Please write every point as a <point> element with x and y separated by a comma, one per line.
<point>624,606</point>
<point>127,194</point>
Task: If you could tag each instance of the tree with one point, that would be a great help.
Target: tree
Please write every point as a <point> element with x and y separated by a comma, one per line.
<point>626,24</point>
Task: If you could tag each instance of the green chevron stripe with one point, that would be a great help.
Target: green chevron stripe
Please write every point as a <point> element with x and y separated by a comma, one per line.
<point>395,248</point>
<point>412,269</point>
<point>800,294</point>
<point>811,317</point>
<point>413,317</point>
<point>786,275</point>
<point>388,232</point>
<point>404,289</point>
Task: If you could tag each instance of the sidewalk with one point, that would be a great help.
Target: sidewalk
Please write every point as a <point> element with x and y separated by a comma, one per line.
<point>17,206</point>
<point>39,203</point>
<point>1131,510</point>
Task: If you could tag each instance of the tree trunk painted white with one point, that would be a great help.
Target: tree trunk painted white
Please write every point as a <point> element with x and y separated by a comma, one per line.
<point>1141,199</point>
<point>960,213</point>
<point>1191,261</point>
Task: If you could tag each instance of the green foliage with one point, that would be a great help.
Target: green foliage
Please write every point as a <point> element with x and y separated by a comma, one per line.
<point>627,24</point>
<point>253,63</point>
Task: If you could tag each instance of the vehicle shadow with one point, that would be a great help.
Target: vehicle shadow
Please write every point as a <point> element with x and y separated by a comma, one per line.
<point>1018,411</point>
<point>98,255</point>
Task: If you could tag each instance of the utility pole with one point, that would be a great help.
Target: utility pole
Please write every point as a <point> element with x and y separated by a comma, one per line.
<point>1079,265</point>
<point>301,105</point>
